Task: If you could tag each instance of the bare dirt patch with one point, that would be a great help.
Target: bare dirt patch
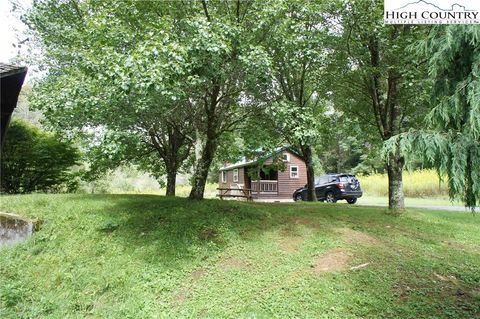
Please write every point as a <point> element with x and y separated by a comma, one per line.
<point>305,221</point>
<point>332,260</point>
<point>208,234</point>
<point>289,242</point>
<point>184,292</point>
<point>454,244</point>
<point>351,237</point>
<point>182,295</point>
<point>198,273</point>
<point>234,263</point>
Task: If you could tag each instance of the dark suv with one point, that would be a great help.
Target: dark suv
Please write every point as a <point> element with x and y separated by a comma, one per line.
<point>333,187</point>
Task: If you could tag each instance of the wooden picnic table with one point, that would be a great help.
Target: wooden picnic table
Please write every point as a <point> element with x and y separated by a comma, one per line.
<point>227,192</point>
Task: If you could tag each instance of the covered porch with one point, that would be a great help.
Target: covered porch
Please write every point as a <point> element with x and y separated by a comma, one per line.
<point>265,184</point>
<point>253,184</point>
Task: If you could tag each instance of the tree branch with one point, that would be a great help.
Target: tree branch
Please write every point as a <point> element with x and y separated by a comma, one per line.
<point>205,10</point>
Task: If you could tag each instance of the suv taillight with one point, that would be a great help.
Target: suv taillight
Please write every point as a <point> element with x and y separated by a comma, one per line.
<point>340,185</point>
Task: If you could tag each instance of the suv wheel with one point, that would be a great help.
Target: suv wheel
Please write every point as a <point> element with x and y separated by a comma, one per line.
<point>330,198</point>
<point>298,197</point>
<point>351,200</point>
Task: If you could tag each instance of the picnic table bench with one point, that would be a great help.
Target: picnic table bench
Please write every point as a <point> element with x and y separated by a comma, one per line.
<point>239,192</point>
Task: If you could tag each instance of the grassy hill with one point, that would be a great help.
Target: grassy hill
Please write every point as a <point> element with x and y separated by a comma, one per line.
<point>140,256</point>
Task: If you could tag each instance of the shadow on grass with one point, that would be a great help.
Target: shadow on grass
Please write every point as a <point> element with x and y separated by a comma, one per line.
<point>172,231</point>
<point>179,222</point>
<point>168,238</point>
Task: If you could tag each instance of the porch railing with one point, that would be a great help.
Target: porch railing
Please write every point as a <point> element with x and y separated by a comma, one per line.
<point>265,186</point>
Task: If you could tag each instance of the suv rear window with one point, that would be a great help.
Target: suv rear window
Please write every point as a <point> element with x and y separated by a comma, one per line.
<point>347,178</point>
<point>325,179</point>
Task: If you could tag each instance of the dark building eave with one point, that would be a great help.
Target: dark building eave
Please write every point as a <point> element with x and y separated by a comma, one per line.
<point>11,81</point>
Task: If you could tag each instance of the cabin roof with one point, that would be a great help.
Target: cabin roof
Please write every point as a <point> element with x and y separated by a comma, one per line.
<point>8,69</point>
<point>11,81</point>
<point>238,164</point>
<point>245,163</point>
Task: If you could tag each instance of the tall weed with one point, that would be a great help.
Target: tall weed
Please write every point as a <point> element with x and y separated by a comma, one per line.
<point>421,183</point>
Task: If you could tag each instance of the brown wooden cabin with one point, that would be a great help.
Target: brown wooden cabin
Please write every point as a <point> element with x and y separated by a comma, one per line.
<point>283,172</point>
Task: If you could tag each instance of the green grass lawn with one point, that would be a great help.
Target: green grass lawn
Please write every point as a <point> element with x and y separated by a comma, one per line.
<point>141,256</point>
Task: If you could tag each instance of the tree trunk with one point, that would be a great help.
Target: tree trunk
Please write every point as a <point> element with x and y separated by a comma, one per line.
<point>207,152</point>
<point>201,169</point>
<point>308,156</point>
<point>339,153</point>
<point>171,182</point>
<point>395,183</point>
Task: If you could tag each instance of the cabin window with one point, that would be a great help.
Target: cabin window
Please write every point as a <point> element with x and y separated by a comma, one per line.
<point>286,157</point>
<point>294,171</point>
<point>224,176</point>
<point>235,175</point>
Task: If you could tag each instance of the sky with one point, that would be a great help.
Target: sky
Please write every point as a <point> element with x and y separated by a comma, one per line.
<point>11,33</point>
<point>11,30</point>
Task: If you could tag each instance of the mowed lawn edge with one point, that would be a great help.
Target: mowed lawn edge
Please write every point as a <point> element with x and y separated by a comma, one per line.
<point>131,256</point>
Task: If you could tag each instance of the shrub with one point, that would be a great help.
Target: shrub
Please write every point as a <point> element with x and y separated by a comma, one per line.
<point>34,160</point>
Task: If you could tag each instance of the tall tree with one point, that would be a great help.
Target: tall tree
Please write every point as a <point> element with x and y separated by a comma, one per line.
<point>372,81</point>
<point>231,66</point>
<point>170,74</point>
<point>297,34</point>
<point>450,140</point>
<point>119,68</point>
